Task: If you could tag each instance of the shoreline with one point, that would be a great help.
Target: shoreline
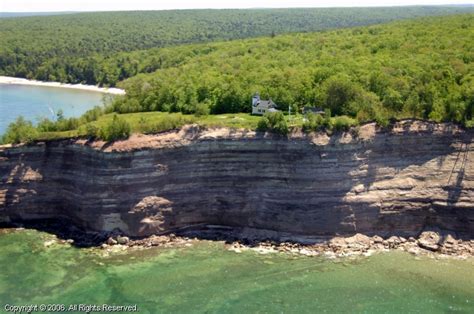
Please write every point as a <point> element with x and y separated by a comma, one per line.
<point>428,243</point>
<point>8,80</point>
<point>437,244</point>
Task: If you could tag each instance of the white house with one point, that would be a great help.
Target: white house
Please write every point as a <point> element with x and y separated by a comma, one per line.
<point>259,106</point>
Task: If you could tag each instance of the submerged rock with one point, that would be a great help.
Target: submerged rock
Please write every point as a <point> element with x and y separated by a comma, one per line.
<point>49,243</point>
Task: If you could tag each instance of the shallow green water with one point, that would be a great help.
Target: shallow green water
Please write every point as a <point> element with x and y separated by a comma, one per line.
<point>207,278</point>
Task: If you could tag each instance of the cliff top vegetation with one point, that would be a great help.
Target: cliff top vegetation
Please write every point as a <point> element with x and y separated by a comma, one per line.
<point>422,68</point>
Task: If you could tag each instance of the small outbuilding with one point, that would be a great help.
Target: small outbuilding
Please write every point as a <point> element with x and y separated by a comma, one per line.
<point>314,110</point>
<point>260,107</point>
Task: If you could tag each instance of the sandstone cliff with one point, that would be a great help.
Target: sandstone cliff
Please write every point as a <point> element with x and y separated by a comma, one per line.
<point>415,177</point>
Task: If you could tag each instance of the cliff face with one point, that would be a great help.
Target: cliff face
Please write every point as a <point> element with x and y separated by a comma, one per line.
<point>414,177</point>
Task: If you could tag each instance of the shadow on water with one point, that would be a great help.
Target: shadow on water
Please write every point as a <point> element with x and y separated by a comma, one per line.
<point>64,229</point>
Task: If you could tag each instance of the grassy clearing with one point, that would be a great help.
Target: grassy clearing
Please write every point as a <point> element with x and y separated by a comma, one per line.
<point>155,122</point>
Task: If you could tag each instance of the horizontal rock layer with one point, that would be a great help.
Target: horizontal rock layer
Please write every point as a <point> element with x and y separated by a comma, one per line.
<point>415,177</point>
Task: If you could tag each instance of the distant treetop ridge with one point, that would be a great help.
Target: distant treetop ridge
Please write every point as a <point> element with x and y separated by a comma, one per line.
<point>87,47</point>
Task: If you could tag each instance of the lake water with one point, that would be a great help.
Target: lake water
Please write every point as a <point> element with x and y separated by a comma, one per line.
<point>206,278</point>
<point>34,102</point>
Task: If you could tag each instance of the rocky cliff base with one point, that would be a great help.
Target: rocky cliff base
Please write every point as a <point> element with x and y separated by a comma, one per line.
<point>434,244</point>
<point>428,243</point>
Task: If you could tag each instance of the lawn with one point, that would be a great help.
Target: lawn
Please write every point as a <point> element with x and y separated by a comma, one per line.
<point>154,122</point>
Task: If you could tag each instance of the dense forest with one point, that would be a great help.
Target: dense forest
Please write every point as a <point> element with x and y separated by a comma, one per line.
<point>91,47</point>
<point>422,68</point>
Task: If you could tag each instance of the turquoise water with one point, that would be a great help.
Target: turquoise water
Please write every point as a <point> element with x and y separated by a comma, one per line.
<point>33,102</point>
<point>206,278</point>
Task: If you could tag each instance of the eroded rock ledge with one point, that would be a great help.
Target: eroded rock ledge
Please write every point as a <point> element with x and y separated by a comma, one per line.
<point>417,176</point>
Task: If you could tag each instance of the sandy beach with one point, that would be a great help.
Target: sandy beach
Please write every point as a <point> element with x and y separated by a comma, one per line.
<point>22,81</point>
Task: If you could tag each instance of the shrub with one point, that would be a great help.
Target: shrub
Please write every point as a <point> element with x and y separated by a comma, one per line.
<point>343,123</point>
<point>92,114</point>
<point>170,122</point>
<point>62,124</point>
<point>46,125</point>
<point>20,131</point>
<point>327,122</point>
<point>314,122</point>
<point>366,107</point>
<point>455,111</point>
<point>67,124</point>
<point>469,124</point>
<point>382,120</point>
<point>116,129</point>
<point>92,132</point>
<point>202,109</point>
<point>274,122</point>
